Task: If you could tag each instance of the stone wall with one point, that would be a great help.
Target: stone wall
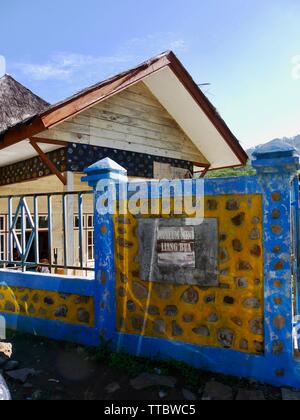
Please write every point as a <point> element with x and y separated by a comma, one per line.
<point>47,305</point>
<point>228,316</point>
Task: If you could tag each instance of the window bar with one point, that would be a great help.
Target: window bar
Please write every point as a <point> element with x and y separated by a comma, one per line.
<point>10,234</point>
<point>23,233</point>
<point>49,201</point>
<point>65,230</point>
<point>36,229</point>
<point>80,225</point>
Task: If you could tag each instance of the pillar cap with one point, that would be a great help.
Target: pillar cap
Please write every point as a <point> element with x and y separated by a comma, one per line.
<point>275,149</point>
<point>276,156</point>
<point>104,169</point>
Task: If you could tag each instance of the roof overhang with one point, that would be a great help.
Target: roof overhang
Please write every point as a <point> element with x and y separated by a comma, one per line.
<point>172,85</point>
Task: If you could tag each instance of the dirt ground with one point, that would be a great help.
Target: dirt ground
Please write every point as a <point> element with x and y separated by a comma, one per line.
<point>68,372</point>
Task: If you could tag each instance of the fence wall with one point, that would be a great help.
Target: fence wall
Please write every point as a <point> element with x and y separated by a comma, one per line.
<point>243,325</point>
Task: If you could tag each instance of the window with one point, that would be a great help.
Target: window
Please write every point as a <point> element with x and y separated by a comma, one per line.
<point>3,247</point>
<point>87,236</point>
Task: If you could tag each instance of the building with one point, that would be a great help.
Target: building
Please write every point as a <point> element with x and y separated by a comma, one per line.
<point>153,120</point>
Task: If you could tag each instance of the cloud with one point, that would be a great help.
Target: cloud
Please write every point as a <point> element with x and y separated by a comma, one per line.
<point>2,66</point>
<point>75,68</point>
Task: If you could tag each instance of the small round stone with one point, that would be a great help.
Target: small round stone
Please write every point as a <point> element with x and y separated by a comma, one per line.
<point>279,322</point>
<point>190,296</point>
<point>237,245</point>
<point>276,229</point>
<point>83,316</point>
<point>276,196</point>
<point>228,300</point>
<point>276,214</point>
<point>277,347</point>
<point>171,310</point>
<point>188,318</point>
<point>103,229</point>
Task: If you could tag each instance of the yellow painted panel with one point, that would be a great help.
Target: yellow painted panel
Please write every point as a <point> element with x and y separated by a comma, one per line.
<point>42,304</point>
<point>233,311</point>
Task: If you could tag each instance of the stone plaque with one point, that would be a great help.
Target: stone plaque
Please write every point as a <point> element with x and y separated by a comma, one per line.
<point>176,247</point>
<point>179,251</point>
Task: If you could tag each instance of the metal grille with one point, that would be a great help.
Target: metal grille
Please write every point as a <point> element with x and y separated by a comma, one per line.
<point>47,232</point>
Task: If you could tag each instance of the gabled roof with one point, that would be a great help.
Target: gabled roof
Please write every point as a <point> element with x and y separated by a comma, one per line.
<point>169,81</point>
<point>17,103</point>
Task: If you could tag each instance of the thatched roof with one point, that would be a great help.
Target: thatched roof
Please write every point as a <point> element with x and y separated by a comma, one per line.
<point>17,103</point>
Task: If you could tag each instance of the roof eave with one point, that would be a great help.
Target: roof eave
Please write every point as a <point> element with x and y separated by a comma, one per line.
<point>71,107</point>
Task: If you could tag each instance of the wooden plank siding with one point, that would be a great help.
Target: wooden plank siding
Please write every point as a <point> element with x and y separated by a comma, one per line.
<point>133,120</point>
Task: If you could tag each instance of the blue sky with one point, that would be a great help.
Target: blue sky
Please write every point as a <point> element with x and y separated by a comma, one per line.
<point>249,50</point>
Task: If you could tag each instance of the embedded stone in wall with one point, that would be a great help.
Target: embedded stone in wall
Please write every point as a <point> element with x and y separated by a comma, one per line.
<point>256,220</point>
<point>212,205</point>
<point>171,310</point>
<point>137,323</point>
<point>31,310</point>
<point>163,291</point>
<point>276,214</point>
<point>276,229</point>
<point>237,321</point>
<point>244,266</point>
<point>177,331</point>
<point>10,306</point>
<point>82,300</point>
<point>36,298</point>
<point>223,237</point>
<point>256,326</point>
<point>213,318</point>
<point>259,346</point>
<point>237,245</point>
<point>254,235</point>
<point>276,196</point>
<point>131,307</point>
<point>190,296</point>
<point>241,283</point>
<point>252,303</point>
<point>278,347</point>
<point>239,219</point>
<point>276,249</point>
<point>232,205</point>
<point>48,301</point>
<point>159,326</point>
<point>203,331</point>
<point>226,337</point>
<point>64,296</point>
<point>123,278</point>
<point>279,322</point>
<point>229,300</point>
<point>188,318</point>
<point>122,292</point>
<point>61,311</point>
<point>209,299</point>
<point>123,220</point>
<point>139,291</point>
<point>153,310</point>
<point>223,255</point>
<point>124,243</point>
<point>256,251</point>
<point>244,345</point>
<point>83,316</point>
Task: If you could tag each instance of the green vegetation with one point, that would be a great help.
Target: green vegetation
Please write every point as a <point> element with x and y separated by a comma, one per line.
<point>232,172</point>
<point>133,366</point>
